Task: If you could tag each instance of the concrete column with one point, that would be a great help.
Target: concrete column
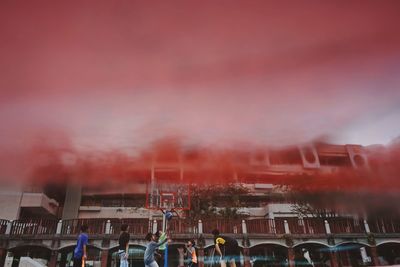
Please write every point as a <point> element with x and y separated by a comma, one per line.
<point>3,254</point>
<point>154,226</point>
<point>374,256</point>
<point>333,258</point>
<point>246,255</point>
<point>8,228</point>
<point>108,227</point>
<point>366,226</point>
<point>286,226</point>
<point>244,227</point>
<point>181,259</point>
<point>200,227</point>
<point>72,202</point>
<point>104,257</point>
<point>150,226</point>
<point>291,257</point>
<point>53,259</point>
<point>59,227</point>
<point>200,257</point>
<point>327,227</point>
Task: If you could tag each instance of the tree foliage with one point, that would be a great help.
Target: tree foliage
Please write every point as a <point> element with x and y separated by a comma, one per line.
<point>216,201</point>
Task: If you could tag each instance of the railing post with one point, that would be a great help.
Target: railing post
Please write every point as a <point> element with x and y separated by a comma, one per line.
<point>366,226</point>
<point>154,226</point>
<point>200,225</point>
<point>286,226</point>
<point>108,227</point>
<point>244,227</point>
<point>327,227</point>
<point>9,226</point>
<point>374,256</point>
<point>59,227</point>
<point>181,257</point>
<point>291,257</point>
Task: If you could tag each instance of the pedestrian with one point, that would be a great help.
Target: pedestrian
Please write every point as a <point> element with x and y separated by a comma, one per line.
<point>123,250</point>
<point>151,248</point>
<point>80,249</point>
<point>191,254</point>
<point>227,248</point>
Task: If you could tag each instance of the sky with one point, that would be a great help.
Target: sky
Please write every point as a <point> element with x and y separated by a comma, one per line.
<point>101,75</point>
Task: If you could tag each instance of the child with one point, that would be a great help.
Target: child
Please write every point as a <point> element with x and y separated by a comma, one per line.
<point>80,249</point>
<point>191,254</point>
<point>151,247</point>
<point>123,250</point>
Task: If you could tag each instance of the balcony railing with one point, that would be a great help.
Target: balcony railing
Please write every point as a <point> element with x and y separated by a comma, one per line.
<point>33,227</point>
<point>258,226</point>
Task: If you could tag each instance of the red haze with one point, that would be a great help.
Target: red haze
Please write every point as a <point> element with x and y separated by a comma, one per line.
<point>103,81</point>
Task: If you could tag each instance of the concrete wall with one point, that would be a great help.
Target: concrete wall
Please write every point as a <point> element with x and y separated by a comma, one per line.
<point>10,205</point>
<point>114,212</point>
<point>72,202</point>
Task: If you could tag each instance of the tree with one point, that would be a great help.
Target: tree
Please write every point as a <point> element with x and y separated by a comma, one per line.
<point>205,201</point>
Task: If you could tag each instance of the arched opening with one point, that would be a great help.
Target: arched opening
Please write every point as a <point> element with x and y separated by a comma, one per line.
<point>212,260</point>
<point>136,256</point>
<point>353,254</point>
<point>312,254</point>
<point>265,255</point>
<point>37,253</point>
<point>389,253</point>
<point>65,256</point>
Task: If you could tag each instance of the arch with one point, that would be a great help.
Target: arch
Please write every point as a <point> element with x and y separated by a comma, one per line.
<point>268,254</point>
<point>28,244</point>
<point>74,244</point>
<point>136,255</point>
<point>66,254</point>
<point>130,244</point>
<point>40,252</point>
<point>388,253</point>
<point>312,253</point>
<point>270,243</point>
<point>210,257</point>
<point>352,242</point>
<point>388,241</point>
<point>353,253</point>
<point>312,242</point>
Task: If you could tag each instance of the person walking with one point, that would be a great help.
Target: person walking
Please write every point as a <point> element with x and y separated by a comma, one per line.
<point>227,248</point>
<point>80,253</point>
<point>123,250</point>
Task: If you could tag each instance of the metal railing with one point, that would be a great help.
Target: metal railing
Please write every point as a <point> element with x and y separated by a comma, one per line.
<point>73,227</point>
<point>3,226</point>
<point>277,226</point>
<point>384,226</point>
<point>227,226</point>
<point>346,225</point>
<point>261,226</point>
<point>33,227</point>
<point>136,226</point>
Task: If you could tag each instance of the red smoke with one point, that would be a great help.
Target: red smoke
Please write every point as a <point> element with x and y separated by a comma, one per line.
<point>101,82</point>
<point>172,161</point>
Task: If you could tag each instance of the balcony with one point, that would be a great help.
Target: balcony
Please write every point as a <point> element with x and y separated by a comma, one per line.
<point>257,226</point>
<point>38,204</point>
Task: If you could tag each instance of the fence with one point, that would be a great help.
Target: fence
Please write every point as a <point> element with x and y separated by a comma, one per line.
<point>33,227</point>
<point>277,226</point>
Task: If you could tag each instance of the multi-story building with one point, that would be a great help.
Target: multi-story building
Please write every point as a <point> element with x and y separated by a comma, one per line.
<point>42,222</point>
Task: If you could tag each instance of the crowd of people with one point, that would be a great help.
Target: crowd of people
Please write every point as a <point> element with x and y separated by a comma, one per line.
<point>226,248</point>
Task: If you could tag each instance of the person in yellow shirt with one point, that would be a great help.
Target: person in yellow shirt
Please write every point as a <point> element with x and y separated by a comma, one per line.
<point>227,248</point>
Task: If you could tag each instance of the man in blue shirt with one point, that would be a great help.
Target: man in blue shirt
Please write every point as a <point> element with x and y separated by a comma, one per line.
<point>80,249</point>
